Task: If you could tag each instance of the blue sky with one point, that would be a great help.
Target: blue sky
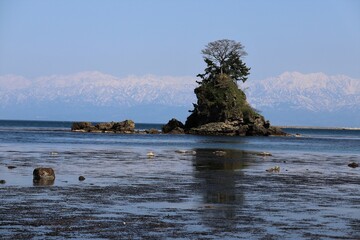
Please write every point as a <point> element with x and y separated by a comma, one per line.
<point>163,37</point>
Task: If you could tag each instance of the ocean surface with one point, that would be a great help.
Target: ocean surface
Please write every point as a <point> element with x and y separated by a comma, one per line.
<point>206,187</point>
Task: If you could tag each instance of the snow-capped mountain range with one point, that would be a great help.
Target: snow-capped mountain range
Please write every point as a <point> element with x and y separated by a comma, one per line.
<point>291,93</point>
<point>97,89</point>
<point>316,92</point>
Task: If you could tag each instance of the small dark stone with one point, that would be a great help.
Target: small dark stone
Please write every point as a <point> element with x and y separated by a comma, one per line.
<point>81,178</point>
<point>2,181</point>
<point>11,167</point>
<point>152,131</point>
<point>353,165</point>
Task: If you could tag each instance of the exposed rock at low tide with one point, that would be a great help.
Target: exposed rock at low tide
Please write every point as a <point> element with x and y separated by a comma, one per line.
<point>353,165</point>
<point>275,169</point>
<point>152,131</point>
<point>238,128</point>
<point>44,173</point>
<point>174,126</point>
<point>127,126</point>
<point>43,176</point>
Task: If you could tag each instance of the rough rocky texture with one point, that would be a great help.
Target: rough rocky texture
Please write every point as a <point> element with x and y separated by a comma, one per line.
<point>80,126</point>
<point>235,128</point>
<point>152,131</point>
<point>127,126</point>
<point>44,173</point>
<point>173,127</point>
<point>222,109</point>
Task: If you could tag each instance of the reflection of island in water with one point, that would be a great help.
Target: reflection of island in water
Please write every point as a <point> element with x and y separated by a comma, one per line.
<point>220,175</point>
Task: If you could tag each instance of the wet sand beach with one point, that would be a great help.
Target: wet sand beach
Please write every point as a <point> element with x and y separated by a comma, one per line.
<point>200,193</point>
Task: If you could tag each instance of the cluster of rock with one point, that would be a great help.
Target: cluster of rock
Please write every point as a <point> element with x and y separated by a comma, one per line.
<point>237,128</point>
<point>127,126</point>
<point>259,127</point>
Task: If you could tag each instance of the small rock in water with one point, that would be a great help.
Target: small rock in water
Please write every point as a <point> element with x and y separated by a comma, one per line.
<point>81,178</point>
<point>264,154</point>
<point>152,131</point>
<point>353,165</point>
<point>219,153</point>
<point>43,173</point>
<point>274,169</point>
<point>190,152</point>
<point>150,154</point>
<point>11,167</point>
<point>2,181</point>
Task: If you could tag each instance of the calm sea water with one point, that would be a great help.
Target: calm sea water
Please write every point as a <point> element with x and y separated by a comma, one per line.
<point>54,134</point>
<point>194,187</point>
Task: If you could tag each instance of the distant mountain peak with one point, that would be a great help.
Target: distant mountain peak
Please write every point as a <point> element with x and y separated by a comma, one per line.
<point>315,93</point>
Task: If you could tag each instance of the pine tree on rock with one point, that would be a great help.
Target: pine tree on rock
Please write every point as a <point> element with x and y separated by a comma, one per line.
<point>219,100</point>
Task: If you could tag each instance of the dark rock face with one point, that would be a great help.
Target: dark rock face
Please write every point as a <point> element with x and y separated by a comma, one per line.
<point>152,131</point>
<point>173,127</point>
<point>222,109</point>
<point>43,176</point>
<point>235,128</point>
<point>80,126</point>
<point>127,126</point>
<point>43,173</point>
<point>353,165</point>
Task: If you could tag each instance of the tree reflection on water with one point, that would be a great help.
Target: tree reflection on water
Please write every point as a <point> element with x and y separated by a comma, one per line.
<point>220,179</point>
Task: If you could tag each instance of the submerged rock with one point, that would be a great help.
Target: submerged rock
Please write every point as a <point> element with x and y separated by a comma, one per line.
<point>264,154</point>
<point>44,174</point>
<point>150,154</point>
<point>152,131</point>
<point>353,165</point>
<point>219,153</point>
<point>275,169</point>
<point>186,152</point>
<point>11,167</point>
<point>81,178</point>
<point>2,181</point>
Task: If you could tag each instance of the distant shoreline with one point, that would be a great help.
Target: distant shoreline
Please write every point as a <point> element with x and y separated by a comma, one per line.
<point>293,127</point>
<point>321,128</point>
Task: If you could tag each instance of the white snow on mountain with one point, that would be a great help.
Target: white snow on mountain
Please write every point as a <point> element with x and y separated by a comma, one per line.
<point>98,89</point>
<point>314,91</point>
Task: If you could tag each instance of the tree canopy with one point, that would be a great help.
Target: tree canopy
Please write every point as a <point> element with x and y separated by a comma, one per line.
<point>224,57</point>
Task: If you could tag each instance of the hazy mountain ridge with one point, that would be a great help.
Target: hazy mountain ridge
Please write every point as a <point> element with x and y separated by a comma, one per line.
<point>97,89</point>
<point>314,92</point>
<point>289,98</point>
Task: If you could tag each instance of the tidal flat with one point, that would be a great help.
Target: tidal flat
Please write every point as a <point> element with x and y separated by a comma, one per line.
<point>194,193</point>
